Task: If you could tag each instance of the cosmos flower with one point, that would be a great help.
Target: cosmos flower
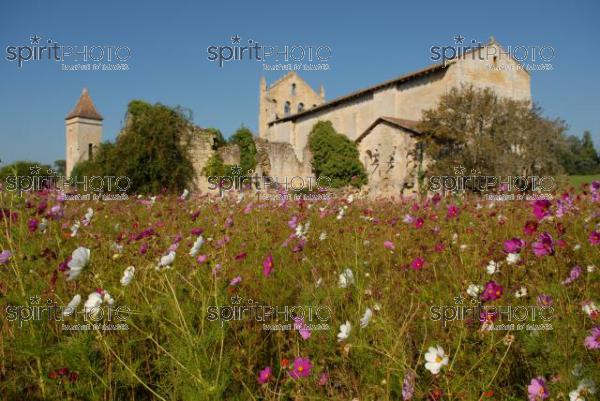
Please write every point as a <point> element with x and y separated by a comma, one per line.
<point>593,340</point>
<point>474,290</point>
<point>513,245</point>
<point>323,379</point>
<point>585,388</point>
<point>302,328</point>
<point>408,386</point>
<point>72,305</point>
<point>323,236</point>
<point>389,245</point>
<point>197,245</point>
<point>573,275</point>
<point>541,208</point>
<point>302,230</point>
<point>493,267</point>
<point>293,222</point>
<point>87,219</point>
<point>346,278</point>
<point>166,261</point>
<point>32,225</point>
<point>364,321</point>
<point>265,375</point>
<point>75,228</point>
<point>435,358</point>
<point>268,265</point>
<point>417,263</point>
<point>419,222</point>
<point>236,280</point>
<point>513,258</point>
<point>5,257</point>
<point>184,195</point>
<point>302,368</point>
<point>79,259</point>
<point>202,258</point>
<point>492,291</point>
<point>590,309</point>
<point>544,245</point>
<point>530,227</point>
<point>521,292</point>
<point>408,219</point>
<point>537,390</point>
<point>127,276</point>
<point>544,300</point>
<point>345,329</point>
<point>452,211</point>
<point>92,305</point>
<point>594,238</point>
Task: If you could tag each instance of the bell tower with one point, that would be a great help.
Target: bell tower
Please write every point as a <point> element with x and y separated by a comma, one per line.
<point>83,131</point>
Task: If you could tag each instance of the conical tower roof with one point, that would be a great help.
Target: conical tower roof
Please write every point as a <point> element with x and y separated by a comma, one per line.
<point>84,108</point>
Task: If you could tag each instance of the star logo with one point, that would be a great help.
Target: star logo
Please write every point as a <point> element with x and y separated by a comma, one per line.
<point>50,171</point>
<point>34,169</point>
<point>35,40</point>
<point>236,299</point>
<point>235,39</point>
<point>459,300</point>
<point>34,299</point>
<point>459,39</point>
<point>236,170</point>
<point>459,170</point>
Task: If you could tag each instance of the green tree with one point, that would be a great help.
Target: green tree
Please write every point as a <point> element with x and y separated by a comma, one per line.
<point>219,140</point>
<point>60,167</point>
<point>335,156</point>
<point>245,141</point>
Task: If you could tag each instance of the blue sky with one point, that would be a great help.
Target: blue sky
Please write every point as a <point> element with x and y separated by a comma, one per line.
<point>370,41</point>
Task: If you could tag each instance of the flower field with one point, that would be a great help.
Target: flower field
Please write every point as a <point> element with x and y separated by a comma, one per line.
<point>196,298</point>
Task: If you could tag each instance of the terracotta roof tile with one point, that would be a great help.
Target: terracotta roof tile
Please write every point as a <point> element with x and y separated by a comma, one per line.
<point>84,108</point>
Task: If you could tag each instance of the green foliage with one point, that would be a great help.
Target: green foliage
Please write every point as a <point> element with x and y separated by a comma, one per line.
<point>219,140</point>
<point>215,167</point>
<point>60,167</point>
<point>497,136</point>
<point>244,140</point>
<point>24,169</point>
<point>151,150</point>
<point>580,156</point>
<point>335,156</point>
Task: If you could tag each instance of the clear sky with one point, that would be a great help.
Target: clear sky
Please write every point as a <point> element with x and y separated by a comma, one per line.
<point>371,41</point>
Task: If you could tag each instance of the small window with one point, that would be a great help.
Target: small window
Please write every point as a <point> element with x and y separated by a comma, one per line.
<point>314,105</point>
<point>495,59</point>
<point>287,108</point>
<point>90,151</point>
<point>300,107</point>
<point>293,89</point>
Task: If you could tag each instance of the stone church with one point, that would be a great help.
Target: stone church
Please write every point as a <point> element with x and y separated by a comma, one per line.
<point>380,119</point>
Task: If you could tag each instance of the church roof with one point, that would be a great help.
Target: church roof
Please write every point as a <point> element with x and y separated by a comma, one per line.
<point>84,108</point>
<point>407,125</point>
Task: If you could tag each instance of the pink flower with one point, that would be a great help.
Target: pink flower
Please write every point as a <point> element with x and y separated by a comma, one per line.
<point>419,222</point>
<point>302,328</point>
<point>302,368</point>
<point>593,340</point>
<point>530,227</point>
<point>594,238</point>
<point>5,257</point>
<point>265,375</point>
<point>236,280</point>
<point>544,300</point>
<point>513,245</point>
<point>541,208</point>
<point>201,259</point>
<point>544,246</point>
<point>323,379</point>
<point>439,247</point>
<point>537,391</point>
<point>492,291</point>
<point>32,225</point>
<point>417,263</point>
<point>229,222</point>
<point>389,245</point>
<point>293,222</point>
<point>452,211</point>
<point>573,275</point>
<point>268,265</point>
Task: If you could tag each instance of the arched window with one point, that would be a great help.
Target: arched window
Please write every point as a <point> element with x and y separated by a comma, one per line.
<point>300,107</point>
<point>287,108</point>
<point>293,90</point>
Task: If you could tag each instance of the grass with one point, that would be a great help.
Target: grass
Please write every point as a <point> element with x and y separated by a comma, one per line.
<point>577,180</point>
<point>174,349</point>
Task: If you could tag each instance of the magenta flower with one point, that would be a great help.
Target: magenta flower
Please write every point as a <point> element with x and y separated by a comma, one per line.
<point>537,390</point>
<point>5,257</point>
<point>452,211</point>
<point>541,208</point>
<point>236,280</point>
<point>143,248</point>
<point>302,368</point>
<point>229,222</point>
<point>293,222</point>
<point>544,300</point>
<point>202,258</point>
<point>323,379</point>
<point>487,317</point>
<point>513,245</point>
<point>265,375</point>
<point>492,291</point>
<point>573,275</point>
<point>417,263</point>
<point>439,247</point>
<point>593,340</point>
<point>419,222</point>
<point>544,245</point>
<point>530,227</point>
<point>196,231</point>
<point>268,265</point>
<point>594,238</point>
<point>408,386</point>
<point>32,225</point>
<point>389,245</point>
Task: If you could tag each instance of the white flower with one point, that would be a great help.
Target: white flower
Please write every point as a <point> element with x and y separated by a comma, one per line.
<point>166,261</point>
<point>408,219</point>
<point>127,276</point>
<point>346,278</point>
<point>463,247</point>
<point>301,230</point>
<point>591,268</point>
<point>344,331</point>
<point>197,245</point>
<point>521,292</point>
<point>341,213</point>
<point>590,308</point>
<point>350,198</point>
<point>152,200</point>
<point>43,225</point>
<point>478,206</point>
<point>454,238</point>
<point>118,249</point>
<point>75,228</point>
<point>323,236</point>
<point>436,358</point>
<point>586,387</point>
<point>474,290</point>
<point>79,259</point>
<point>72,306</point>
<point>88,216</point>
<point>513,258</point>
<point>366,318</point>
<point>493,267</point>
<point>577,247</point>
<point>377,306</point>
<point>184,195</point>
<point>319,282</point>
<point>93,303</point>
<point>107,298</point>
